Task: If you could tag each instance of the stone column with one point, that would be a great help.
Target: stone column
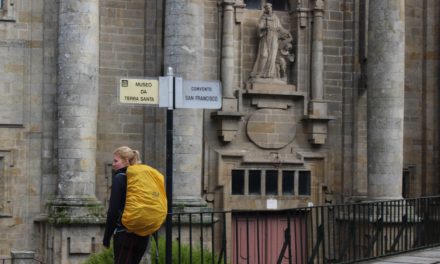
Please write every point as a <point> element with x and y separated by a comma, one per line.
<point>317,107</point>
<point>78,63</point>
<point>228,117</point>
<point>75,211</point>
<point>228,49</point>
<point>301,76</point>
<point>317,80</point>
<point>385,88</point>
<point>183,51</point>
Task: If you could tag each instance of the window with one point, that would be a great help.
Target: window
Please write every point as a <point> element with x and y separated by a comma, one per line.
<point>255,182</point>
<point>253,4</point>
<point>1,4</point>
<point>279,5</point>
<point>271,182</point>
<point>237,182</point>
<point>304,183</point>
<point>288,182</point>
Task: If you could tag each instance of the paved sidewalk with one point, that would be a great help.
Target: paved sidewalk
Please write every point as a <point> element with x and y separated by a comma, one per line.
<point>424,256</point>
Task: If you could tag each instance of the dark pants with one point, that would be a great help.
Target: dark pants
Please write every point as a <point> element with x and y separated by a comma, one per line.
<point>129,248</point>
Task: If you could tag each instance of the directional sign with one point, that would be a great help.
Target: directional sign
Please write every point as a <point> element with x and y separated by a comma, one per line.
<point>198,94</point>
<point>162,92</point>
<point>139,91</point>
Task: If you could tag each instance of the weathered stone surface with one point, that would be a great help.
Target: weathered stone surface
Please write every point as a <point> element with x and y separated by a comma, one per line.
<point>12,85</point>
<point>386,66</point>
<point>271,128</point>
<point>184,52</point>
<point>132,44</point>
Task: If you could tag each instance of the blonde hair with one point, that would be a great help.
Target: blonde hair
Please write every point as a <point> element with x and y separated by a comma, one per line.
<point>132,155</point>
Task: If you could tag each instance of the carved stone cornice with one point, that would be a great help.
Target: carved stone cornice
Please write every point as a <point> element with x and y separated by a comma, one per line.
<point>318,5</point>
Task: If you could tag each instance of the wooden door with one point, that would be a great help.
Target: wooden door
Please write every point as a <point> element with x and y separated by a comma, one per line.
<point>259,238</point>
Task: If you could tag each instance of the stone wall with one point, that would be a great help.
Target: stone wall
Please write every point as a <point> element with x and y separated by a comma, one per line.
<point>131,45</point>
<point>21,127</point>
<point>421,97</point>
<point>260,143</point>
<point>339,61</point>
<point>122,54</point>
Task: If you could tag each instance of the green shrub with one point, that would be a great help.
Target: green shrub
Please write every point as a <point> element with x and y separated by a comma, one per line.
<point>196,253</point>
<point>103,257</point>
<point>106,256</point>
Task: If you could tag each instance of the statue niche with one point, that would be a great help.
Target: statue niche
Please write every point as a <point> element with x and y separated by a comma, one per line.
<point>274,50</point>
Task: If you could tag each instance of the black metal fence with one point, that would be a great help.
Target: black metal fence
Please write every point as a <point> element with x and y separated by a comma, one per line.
<point>343,233</point>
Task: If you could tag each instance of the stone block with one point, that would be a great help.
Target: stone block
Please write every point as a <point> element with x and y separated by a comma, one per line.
<point>226,136</point>
<point>270,87</point>
<point>12,58</point>
<point>259,138</point>
<point>318,139</point>
<point>279,103</point>
<point>229,105</point>
<point>260,127</point>
<point>318,108</point>
<point>228,125</point>
<point>80,245</point>
<point>318,128</point>
<point>22,257</point>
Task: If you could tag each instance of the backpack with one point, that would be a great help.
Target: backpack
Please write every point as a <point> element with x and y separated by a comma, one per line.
<point>146,201</point>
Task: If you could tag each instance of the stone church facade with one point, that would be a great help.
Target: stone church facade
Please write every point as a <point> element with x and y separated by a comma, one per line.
<point>351,114</point>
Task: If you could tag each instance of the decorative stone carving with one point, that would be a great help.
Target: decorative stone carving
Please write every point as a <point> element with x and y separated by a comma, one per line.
<point>271,128</point>
<point>227,124</point>
<point>274,50</point>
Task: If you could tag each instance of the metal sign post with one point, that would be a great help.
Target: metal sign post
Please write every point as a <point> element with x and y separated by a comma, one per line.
<point>169,173</point>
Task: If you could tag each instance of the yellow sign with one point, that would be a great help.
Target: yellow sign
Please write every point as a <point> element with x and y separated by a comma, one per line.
<point>139,91</point>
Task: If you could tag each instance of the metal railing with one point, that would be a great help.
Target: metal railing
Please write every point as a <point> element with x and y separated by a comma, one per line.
<point>343,233</point>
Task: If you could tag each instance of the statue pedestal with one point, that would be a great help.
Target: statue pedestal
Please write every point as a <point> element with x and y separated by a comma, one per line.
<point>72,231</point>
<point>269,93</point>
<point>77,210</point>
<point>273,86</point>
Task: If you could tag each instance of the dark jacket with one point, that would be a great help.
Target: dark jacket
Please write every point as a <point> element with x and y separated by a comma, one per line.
<point>116,205</point>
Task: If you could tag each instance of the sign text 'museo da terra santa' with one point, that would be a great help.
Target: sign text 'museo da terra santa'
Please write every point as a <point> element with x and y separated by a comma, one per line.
<point>139,91</point>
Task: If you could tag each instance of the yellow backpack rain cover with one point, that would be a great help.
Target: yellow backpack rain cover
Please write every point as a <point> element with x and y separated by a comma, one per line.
<point>146,201</point>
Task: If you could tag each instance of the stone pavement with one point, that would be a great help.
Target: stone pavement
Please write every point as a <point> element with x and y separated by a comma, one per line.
<point>425,256</point>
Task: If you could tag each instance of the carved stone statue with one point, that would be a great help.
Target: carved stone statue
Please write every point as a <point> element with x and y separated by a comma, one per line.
<point>274,48</point>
